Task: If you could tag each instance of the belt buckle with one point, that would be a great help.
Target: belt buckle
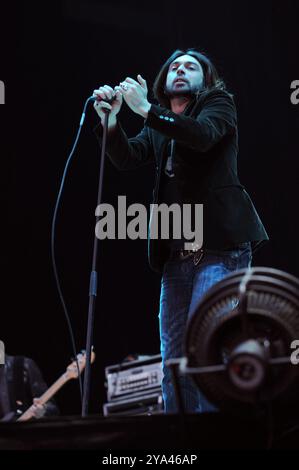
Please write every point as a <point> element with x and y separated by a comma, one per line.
<point>198,257</point>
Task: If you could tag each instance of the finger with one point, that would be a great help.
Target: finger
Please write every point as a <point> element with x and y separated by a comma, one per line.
<point>102,104</point>
<point>131,80</point>
<point>96,94</point>
<point>109,91</point>
<point>118,96</point>
<point>142,81</point>
<point>107,87</point>
<point>119,89</point>
<point>125,85</point>
<point>101,93</point>
<point>106,92</point>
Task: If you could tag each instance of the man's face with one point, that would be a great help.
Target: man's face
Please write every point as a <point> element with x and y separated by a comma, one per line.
<point>185,76</point>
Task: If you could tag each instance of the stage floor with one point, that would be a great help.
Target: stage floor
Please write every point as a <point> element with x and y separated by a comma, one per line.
<point>213,431</point>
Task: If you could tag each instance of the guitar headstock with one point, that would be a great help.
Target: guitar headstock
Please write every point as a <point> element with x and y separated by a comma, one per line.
<point>72,370</point>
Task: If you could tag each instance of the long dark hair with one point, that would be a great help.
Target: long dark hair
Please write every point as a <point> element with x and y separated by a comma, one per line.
<point>211,77</point>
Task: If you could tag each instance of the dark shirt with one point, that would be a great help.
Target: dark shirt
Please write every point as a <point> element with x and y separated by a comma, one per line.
<point>169,195</point>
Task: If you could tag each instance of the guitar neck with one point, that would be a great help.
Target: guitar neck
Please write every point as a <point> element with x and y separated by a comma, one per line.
<point>54,388</point>
<point>73,371</point>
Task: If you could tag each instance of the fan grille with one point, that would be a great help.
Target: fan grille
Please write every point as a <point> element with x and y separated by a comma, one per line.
<point>219,325</point>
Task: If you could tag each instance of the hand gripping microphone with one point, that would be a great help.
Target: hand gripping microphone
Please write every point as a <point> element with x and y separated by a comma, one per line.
<point>98,98</point>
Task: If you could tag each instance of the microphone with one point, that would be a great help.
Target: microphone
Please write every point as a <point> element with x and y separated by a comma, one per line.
<point>94,98</point>
<point>98,98</point>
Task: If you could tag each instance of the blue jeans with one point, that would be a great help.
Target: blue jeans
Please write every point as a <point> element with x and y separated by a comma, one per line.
<point>183,286</point>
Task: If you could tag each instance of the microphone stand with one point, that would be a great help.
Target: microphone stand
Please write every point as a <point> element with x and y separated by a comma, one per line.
<point>93,283</point>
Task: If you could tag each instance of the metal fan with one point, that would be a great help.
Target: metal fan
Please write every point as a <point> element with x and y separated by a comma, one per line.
<point>237,344</point>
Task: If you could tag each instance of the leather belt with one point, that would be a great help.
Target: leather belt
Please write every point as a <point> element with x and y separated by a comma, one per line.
<point>198,254</point>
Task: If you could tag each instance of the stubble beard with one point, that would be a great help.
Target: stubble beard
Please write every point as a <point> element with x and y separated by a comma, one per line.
<point>185,91</point>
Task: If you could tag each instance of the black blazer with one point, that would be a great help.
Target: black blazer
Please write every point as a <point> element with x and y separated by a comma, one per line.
<point>205,164</point>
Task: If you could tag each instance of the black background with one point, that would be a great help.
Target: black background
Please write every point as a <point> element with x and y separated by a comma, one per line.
<point>52,58</point>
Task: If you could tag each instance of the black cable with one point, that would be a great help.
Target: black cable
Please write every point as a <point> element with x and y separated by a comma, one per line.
<point>53,245</point>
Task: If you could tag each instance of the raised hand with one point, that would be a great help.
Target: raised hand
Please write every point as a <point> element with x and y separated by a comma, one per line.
<point>135,94</point>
